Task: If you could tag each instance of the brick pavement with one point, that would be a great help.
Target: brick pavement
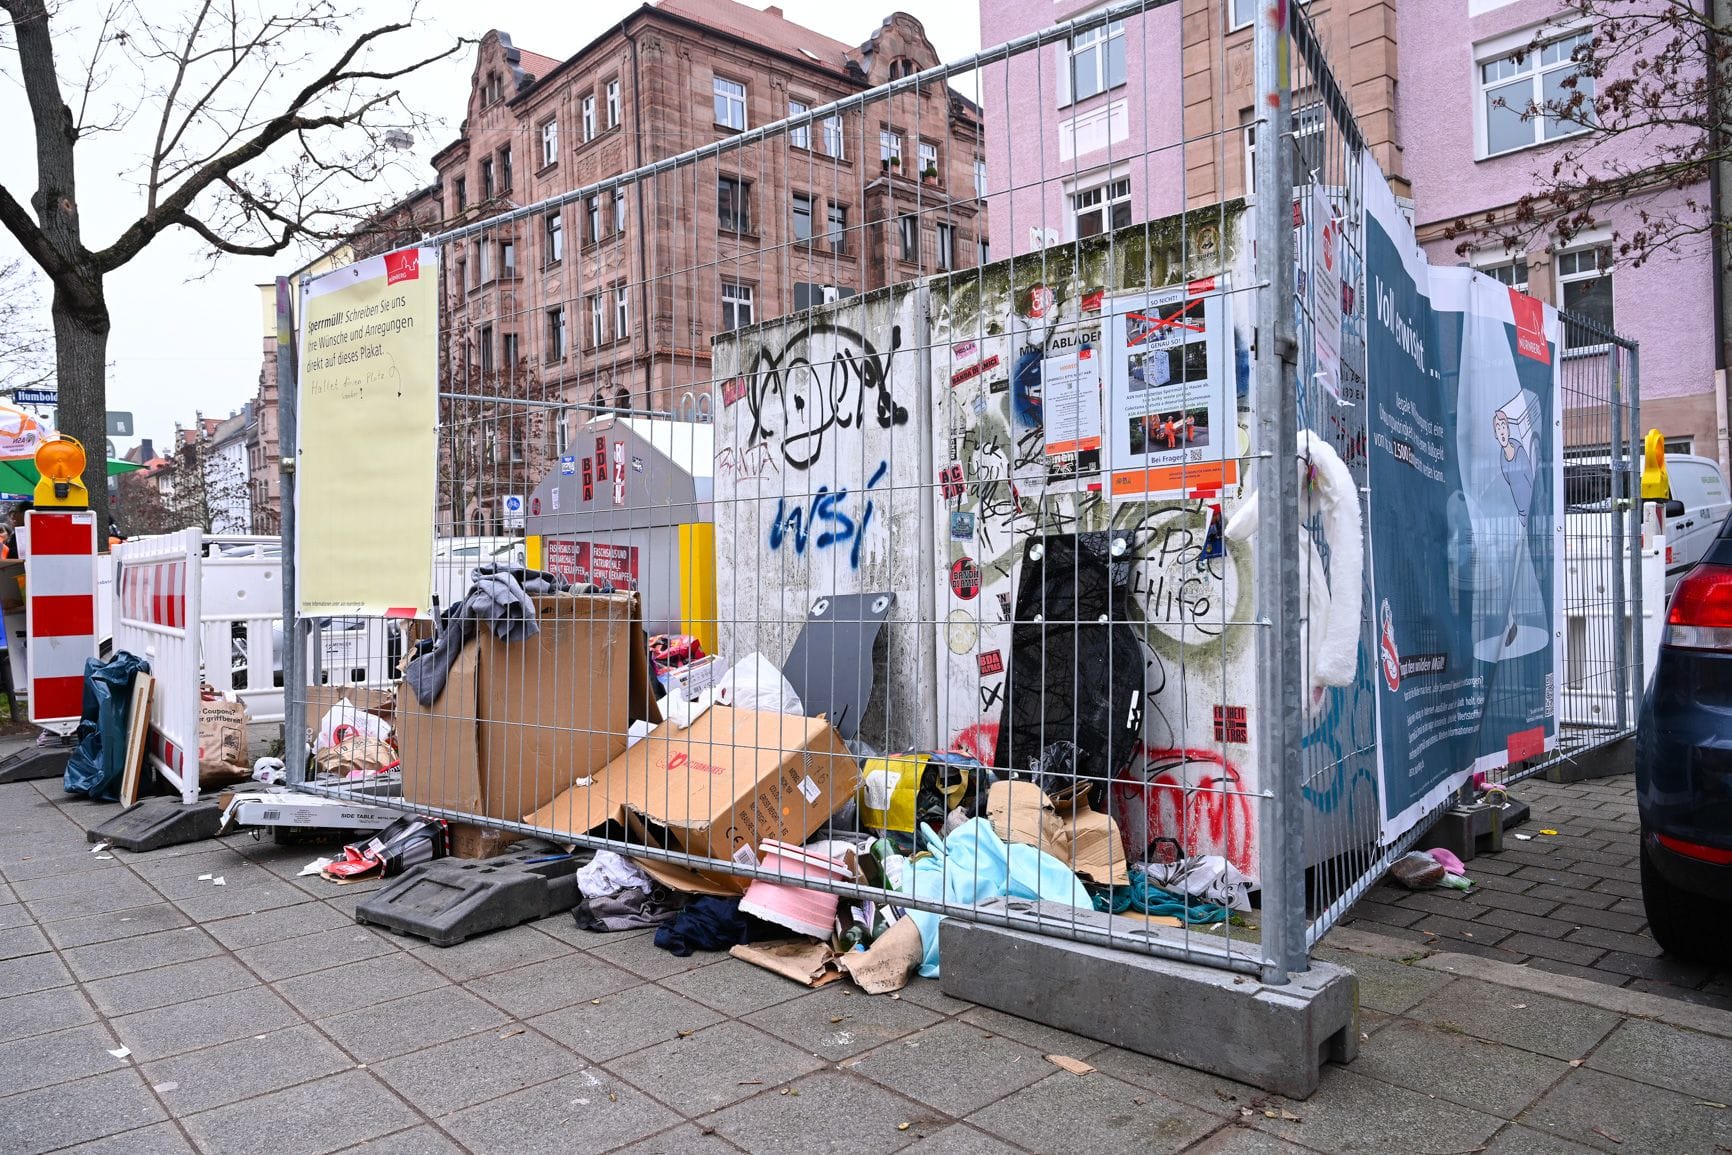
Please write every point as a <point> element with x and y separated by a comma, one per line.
<point>1569,903</point>
<point>261,1018</point>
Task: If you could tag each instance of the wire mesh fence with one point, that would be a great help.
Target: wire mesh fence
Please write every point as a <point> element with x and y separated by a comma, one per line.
<point>942,498</point>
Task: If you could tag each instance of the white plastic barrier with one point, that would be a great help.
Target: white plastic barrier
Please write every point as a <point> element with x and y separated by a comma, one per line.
<point>240,621</point>
<point>156,616</point>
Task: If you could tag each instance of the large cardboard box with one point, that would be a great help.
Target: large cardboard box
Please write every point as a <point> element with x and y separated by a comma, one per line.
<point>716,790</point>
<point>518,722</point>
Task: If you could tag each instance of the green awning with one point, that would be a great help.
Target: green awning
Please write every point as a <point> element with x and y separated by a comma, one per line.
<point>19,475</point>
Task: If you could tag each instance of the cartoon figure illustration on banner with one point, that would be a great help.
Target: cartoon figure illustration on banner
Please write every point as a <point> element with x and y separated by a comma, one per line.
<point>1513,427</point>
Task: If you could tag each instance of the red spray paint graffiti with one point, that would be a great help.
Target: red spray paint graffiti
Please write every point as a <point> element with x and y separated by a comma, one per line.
<point>1195,797</point>
<point>979,741</point>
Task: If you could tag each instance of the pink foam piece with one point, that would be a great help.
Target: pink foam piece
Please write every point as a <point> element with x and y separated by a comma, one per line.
<point>809,912</point>
<point>1447,859</point>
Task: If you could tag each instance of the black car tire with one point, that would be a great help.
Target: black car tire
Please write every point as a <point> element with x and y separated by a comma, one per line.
<point>1685,924</point>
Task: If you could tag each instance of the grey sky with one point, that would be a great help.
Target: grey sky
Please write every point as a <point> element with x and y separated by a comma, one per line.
<point>179,346</point>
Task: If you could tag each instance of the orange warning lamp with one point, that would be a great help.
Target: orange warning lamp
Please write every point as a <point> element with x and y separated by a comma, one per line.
<point>61,464</point>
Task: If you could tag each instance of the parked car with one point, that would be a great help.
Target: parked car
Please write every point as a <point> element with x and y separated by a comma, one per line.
<point>1700,503</point>
<point>1684,764</point>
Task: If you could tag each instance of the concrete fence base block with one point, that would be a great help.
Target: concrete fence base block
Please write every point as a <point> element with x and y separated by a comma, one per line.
<point>1273,1037</point>
<point>1601,762</point>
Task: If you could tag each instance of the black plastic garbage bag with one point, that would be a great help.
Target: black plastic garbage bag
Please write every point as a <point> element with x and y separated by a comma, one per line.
<point>96,765</point>
<point>1076,668</point>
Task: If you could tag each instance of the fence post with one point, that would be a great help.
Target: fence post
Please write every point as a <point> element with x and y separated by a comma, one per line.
<point>294,654</point>
<point>1621,491</point>
<point>1640,686</point>
<point>1277,434</point>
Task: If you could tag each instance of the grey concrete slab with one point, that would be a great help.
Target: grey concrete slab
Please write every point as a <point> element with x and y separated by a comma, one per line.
<point>383,1030</point>
<point>953,1067</point>
<point>959,1139</point>
<point>713,1067</point>
<point>1243,1141</point>
<point>489,953</point>
<point>929,993</point>
<point>540,987</point>
<point>639,954</point>
<point>1214,1094</point>
<point>734,987</point>
<point>811,1023</point>
<point>1613,1114</point>
<point>359,984</point>
<point>1386,986</point>
<point>1518,1140</point>
<point>32,972</point>
<point>247,1067</point>
<point>156,1139</point>
<point>825,1111</point>
<point>1498,1079</point>
<point>1354,1114</point>
<point>461,1073</point>
<point>177,876</point>
<point>423,1140</point>
<point>115,924</point>
<point>1047,1040</point>
<point>318,951</point>
<point>268,926</point>
<point>76,895</point>
<point>50,1060</point>
<point>308,1119</point>
<point>232,899</point>
<point>14,914</point>
<point>140,990</point>
<point>1094,1113</point>
<point>581,1114</point>
<point>1670,1057</point>
<point>43,1012</point>
<point>20,941</point>
<point>1533,1022</point>
<point>70,1112</point>
<point>684,1139</point>
<point>624,1021</point>
<point>140,952</point>
<point>170,1030</point>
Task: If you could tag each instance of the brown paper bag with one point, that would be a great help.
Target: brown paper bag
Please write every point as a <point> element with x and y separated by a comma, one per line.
<point>355,757</point>
<point>222,743</point>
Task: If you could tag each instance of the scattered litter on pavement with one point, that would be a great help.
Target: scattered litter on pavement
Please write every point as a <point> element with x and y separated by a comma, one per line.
<point>314,867</point>
<point>99,847</point>
<point>1074,1066</point>
<point>903,1126</point>
<point>509,1032</point>
<point>1548,831</point>
<point>1605,1134</point>
<point>1525,837</point>
<point>206,877</point>
<point>121,1052</point>
<point>1708,1103</point>
<point>165,1088</point>
<point>219,880</point>
<point>105,858</point>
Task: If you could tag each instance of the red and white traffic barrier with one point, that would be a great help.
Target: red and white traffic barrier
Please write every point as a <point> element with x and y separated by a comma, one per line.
<point>60,610</point>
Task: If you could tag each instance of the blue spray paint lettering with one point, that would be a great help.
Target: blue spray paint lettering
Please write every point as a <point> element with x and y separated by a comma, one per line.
<point>824,523</point>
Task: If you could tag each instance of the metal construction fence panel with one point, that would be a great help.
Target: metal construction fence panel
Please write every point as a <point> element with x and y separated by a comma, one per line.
<point>947,436</point>
<point>157,618</point>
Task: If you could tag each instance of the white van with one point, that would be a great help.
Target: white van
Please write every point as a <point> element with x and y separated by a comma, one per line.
<point>1699,487</point>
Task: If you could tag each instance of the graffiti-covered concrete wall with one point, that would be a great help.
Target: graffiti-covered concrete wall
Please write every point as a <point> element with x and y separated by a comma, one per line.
<point>818,487</point>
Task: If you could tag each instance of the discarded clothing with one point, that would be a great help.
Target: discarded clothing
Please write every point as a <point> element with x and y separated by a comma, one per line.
<point>713,924</point>
<point>609,873</point>
<point>1206,876</point>
<point>628,909</point>
<point>500,598</point>
<point>975,865</point>
<point>1141,895</point>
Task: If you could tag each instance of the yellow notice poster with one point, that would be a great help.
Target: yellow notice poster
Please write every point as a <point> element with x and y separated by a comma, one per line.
<point>369,412</point>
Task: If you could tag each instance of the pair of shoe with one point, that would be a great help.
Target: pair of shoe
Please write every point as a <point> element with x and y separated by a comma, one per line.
<point>404,843</point>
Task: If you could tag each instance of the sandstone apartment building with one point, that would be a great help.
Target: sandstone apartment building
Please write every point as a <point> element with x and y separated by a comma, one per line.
<point>611,300</point>
<point>1141,117</point>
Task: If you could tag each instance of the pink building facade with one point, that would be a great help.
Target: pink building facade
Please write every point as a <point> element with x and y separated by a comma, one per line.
<point>1172,127</point>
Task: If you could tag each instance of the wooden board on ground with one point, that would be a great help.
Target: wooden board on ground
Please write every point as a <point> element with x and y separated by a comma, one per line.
<point>137,734</point>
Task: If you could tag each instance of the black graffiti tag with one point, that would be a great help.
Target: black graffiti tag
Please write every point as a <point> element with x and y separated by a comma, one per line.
<point>798,395</point>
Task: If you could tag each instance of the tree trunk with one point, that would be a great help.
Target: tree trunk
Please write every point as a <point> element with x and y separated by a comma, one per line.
<point>81,362</point>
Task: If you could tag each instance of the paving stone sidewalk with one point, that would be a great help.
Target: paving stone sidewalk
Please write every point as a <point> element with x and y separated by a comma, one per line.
<point>1569,903</point>
<point>259,1017</point>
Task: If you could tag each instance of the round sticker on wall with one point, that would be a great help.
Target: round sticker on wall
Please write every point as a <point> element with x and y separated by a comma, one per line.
<point>963,632</point>
<point>535,507</point>
<point>965,578</point>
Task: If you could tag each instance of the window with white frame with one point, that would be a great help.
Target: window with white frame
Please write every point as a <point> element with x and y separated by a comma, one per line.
<point>838,226</point>
<point>487,189</point>
<point>736,304</point>
<point>484,259</point>
<point>979,178</point>
<point>799,136</point>
<point>946,241</point>
<point>730,103</point>
<point>597,319</point>
<point>507,259</point>
<point>556,333</point>
<point>1513,272</point>
<point>733,204</point>
<point>1310,145</point>
<point>1094,61</point>
<point>833,137</point>
<point>505,169</point>
<point>553,226</point>
<point>1585,289</point>
<point>1516,88</point>
<point>802,217</point>
<point>985,251</point>
<point>619,210</point>
<point>510,343</point>
<point>550,143</point>
<point>586,117</point>
<point>620,313</point>
<point>889,146</point>
<point>592,214</point>
<point>613,104</point>
<point>1103,207</point>
<point>908,230</point>
<point>928,158</point>
<point>485,339</point>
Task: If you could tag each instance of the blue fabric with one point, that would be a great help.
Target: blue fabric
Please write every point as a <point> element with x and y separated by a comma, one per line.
<point>97,765</point>
<point>975,865</point>
<point>708,924</point>
<point>1145,897</point>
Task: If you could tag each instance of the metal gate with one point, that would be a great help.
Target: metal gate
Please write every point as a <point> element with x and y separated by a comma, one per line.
<point>1007,482</point>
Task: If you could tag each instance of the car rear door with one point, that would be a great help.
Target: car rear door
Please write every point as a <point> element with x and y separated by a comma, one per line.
<point>1697,484</point>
